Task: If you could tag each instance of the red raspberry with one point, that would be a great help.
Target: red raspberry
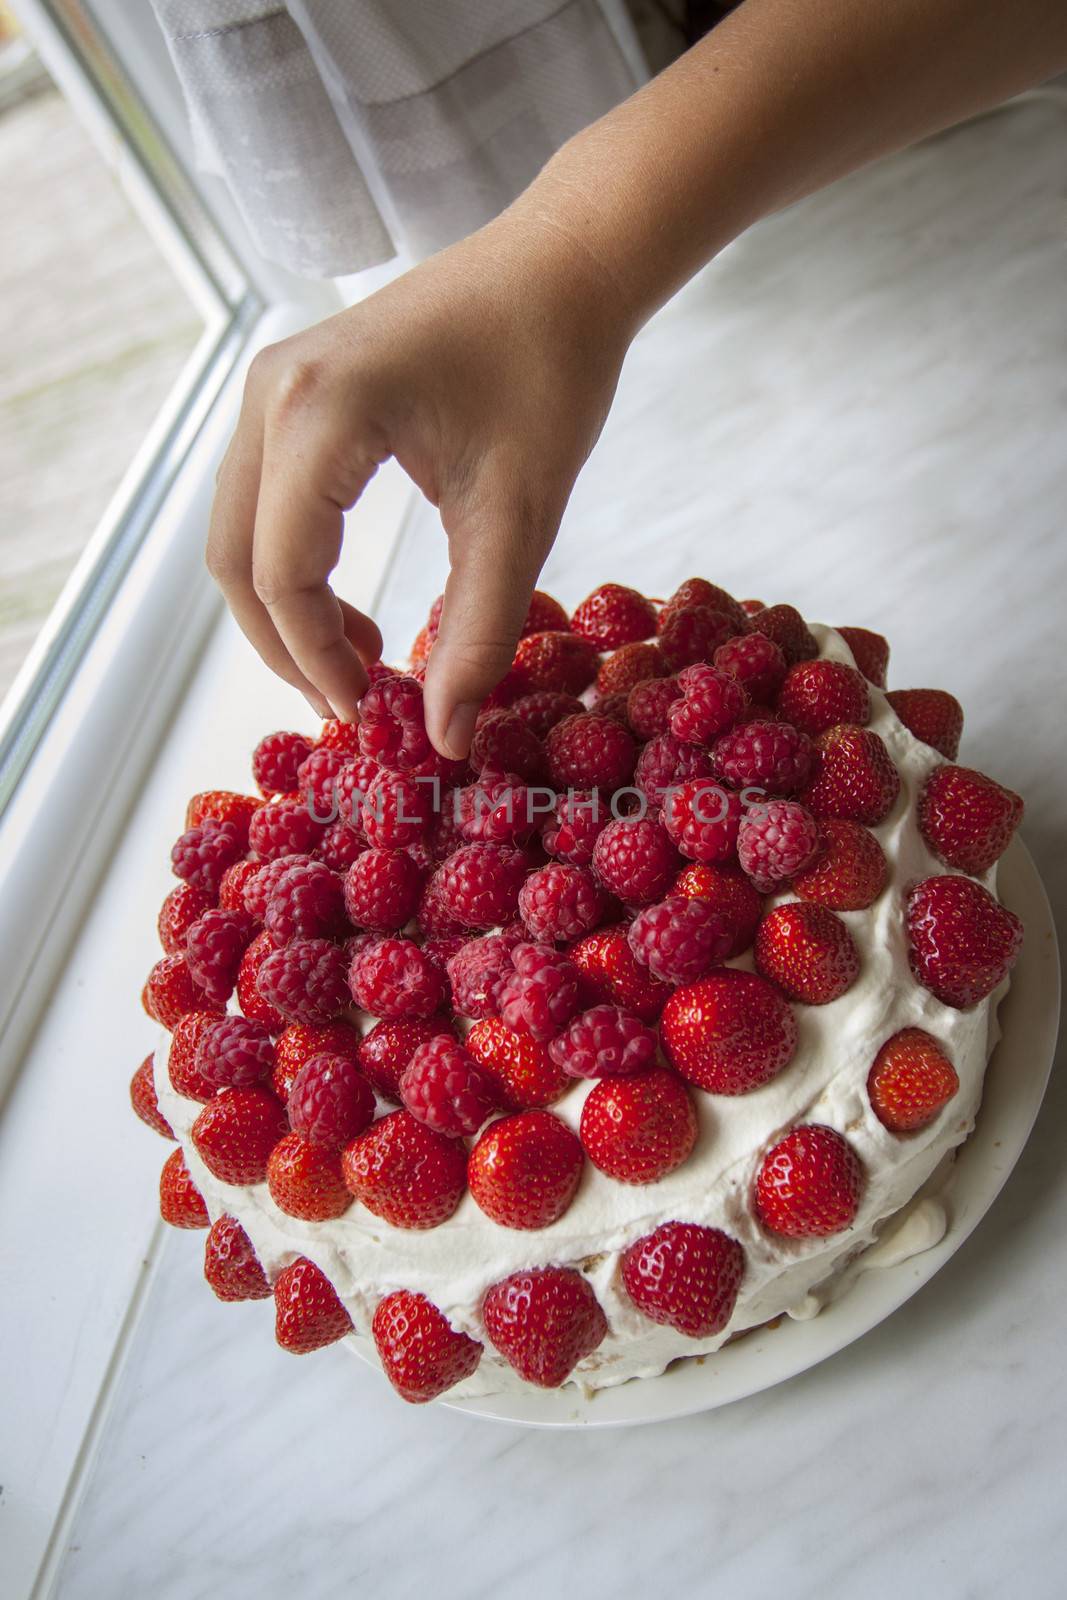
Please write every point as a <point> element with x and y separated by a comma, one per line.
<point>214,946</point>
<point>589,752</point>
<point>479,884</point>
<point>789,631</point>
<point>614,615</point>
<point>648,705</point>
<point>344,736</point>
<point>962,941</point>
<point>144,1102</point>
<point>340,847</point>
<point>524,1170</point>
<point>382,890</point>
<point>496,809</point>
<point>664,762</point>
<point>612,707</point>
<point>560,901</point>
<point>406,1173</point>
<point>298,1043</point>
<point>729,1033</point>
<point>444,1087</point>
<point>182,1068</point>
<point>260,885</point>
<point>855,778</point>
<point>817,695</point>
<point>232,887</point>
<point>807,951</point>
<point>307,1312</point>
<point>394,979</point>
<point>330,1101</point>
<point>612,975</point>
<point>685,1277</point>
<point>544,615</point>
<point>233,1053</point>
<point>604,1042</point>
<point>543,708</point>
<point>223,805</point>
<point>554,660</point>
<point>445,836</point>
<point>966,818</point>
<point>639,1129</point>
<point>543,1322</point>
<point>757,664</point>
<point>305,1180</point>
<point>809,1185</point>
<point>170,991</point>
<point>422,1355</point>
<point>306,981</point>
<point>730,893</point>
<point>699,592</point>
<point>850,870</point>
<point>911,1081</point>
<point>477,973</point>
<point>180,1201</point>
<point>679,939</point>
<point>317,779</point>
<point>523,1074</point>
<point>235,1133</point>
<point>351,786</point>
<point>771,756</point>
<point>276,761</point>
<point>576,821</point>
<point>433,916</point>
<point>251,1002</point>
<point>702,818</point>
<point>541,994</point>
<point>183,906</point>
<point>633,664</point>
<point>635,859</point>
<point>870,652</point>
<point>712,701</point>
<point>283,828</point>
<point>513,684</point>
<point>397,809</point>
<point>932,715</point>
<point>777,840</point>
<point>386,1051</point>
<point>504,742</point>
<point>203,853</point>
<point>693,633</point>
<point>392,728</point>
<point>231,1266</point>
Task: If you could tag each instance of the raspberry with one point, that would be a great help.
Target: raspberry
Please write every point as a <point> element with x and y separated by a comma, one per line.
<point>850,870</point>
<point>433,916</point>
<point>170,991</point>
<point>183,906</point>
<point>231,1266</point>
<point>251,1002</point>
<point>182,1069</point>
<point>283,828</point>
<point>816,695</point>
<point>712,701</point>
<point>479,884</point>
<point>699,592</point>
<point>276,761</point>
<point>180,1201</point>
<point>589,752</point>
<point>604,1042</point>
<point>855,778</point>
<point>394,979</point>
<point>932,715</point>
<point>560,902</point>
<point>777,840</point>
<point>541,994</point>
<point>664,762</point>
<point>223,805</point>
<point>382,890</point>
<point>730,893</point>
<point>397,809</point>
<point>203,853</point>
<point>298,1043</point>
<point>649,703</point>
<point>386,1051</point>
<point>544,1322</point>
<point>559,661</point>
<point>544,615</point>
<point>612,707</point>
<point>307,1313</point>
<point>344,736</point>
<point>233,1053</point>
<point>496,809</point>
<point>235,1133</point>
<point>787,628</point>
<point>870,652</point>
<point>214,946</point>
<point>232,887</point>
<point>406,1173</point>
<point>680,938</point>
<point>144,1102</point>
<point>305,1180</point>
<point>316,781</point>
<point>445,836</point>
<point>306,981</point>
<point>702,818</point>
<point>693,633</point>
<point>330,1101</point>
<point>771,756</point>
<point>757,664</point>
<point>504,742</point>
<point>260,885</point>
<point>524,1170</point>
<point>962,941</point>
<point>523,1074</point>
<point>614,615</point>
<point>576,821</point>
<point>807,951</point>
<point>809,1185</point>
<point>729,1033</point>
<point>635,859</point>
<point>477,973</point>
<point>685,1276</point>
<point>422,1355</point>
<point>633,664</point>
<point>911,1081</point>
<point>444,1087</point>
<point>966,818</point>
<point>350,787</point>
<point>637,1130</point>
<point>340,847</point>
<point>392,728</point>
<point>543,708</point>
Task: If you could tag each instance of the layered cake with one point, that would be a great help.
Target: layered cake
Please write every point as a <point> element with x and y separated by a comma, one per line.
<point>627,1035</point>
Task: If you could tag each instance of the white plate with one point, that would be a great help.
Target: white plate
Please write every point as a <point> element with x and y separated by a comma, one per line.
<point>1014,1087</point>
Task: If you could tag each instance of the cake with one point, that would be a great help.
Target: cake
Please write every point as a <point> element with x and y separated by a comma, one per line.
<point>586,1056</point>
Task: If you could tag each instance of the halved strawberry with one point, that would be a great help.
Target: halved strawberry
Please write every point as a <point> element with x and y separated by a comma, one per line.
<point>638,1129</point>
<point>170,992</point>
<point>144,1102</point>
<point>524,1170</point>
<point>809,1185</point>
<point>818,694</point>
<point>855,776</point>
<point>850,870</point>
<point>236,1132</point>
<point>932,715</point>
<point>966,818</point>
<point>422,1355</point>
<point>519,1067</point>
<point>180,1201</point>
<point>406,1173</point>
<point>183,906</point>
<point>555,660</point>
<point>612,975</point>
<point>305,1179</point>
<point>870,651</point>
<point>543,1322</point>
<point>729,1033</point>
<point>231,1265</point>
<point>614,615</point>
<point>308,1313</point>
<point>911,1081</point>
<point>224,805</point>
<point>807,951</point>
<point>685,1276</point>
<point>962,940</point>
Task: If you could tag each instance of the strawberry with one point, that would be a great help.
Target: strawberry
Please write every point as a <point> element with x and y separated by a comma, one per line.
<point>182,1064</point>
<point>614,615</point>
<point>231,1266</point>
<point>932,715</point>
<point>236,1132</point>
<point>685,1276</point>
<point>612,975</point>
<point>966,818</point>
<point>559,661</point>
<point>633,664</point>
<point>807,951</point>
<point>183,906</point>
<point>690,634</point>
<point>307,1311</point>
<point>524,1170</point>
<point>180,1201</point>
<point>300,1041</point>
<point>910,1081</point>
<point>818,694</point>
<point>170,991</point>
<point>543,1322</point>
<point>639,1129</point>
<point>249,998</point>
<point>545,615</point>
<point>809,1185</point>
<point>855,778</point>
<point>422,1355</point>
<point>340,736</point>
<point>144,1102</point>
<point>224,806</point>
<point>385,1053</point>
<point>519,1067</point>
<point>305,1179</point>
<point>962,941</point>
<point>787,628</point>
<point>699,592</point>
<point>406,1173</point>
<point>422,644</point>
<point>729,1033</point>
<point>850,870</point>
<point>730,892</point>
<point>232,884</point>
<point>870,652</point>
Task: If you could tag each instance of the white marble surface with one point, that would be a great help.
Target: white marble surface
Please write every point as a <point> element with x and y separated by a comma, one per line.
<point>861,409</point>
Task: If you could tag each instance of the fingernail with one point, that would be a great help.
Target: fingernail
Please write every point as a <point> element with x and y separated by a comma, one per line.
<point>460,729</point>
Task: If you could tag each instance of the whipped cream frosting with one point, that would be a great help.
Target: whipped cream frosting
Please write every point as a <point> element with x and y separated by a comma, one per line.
<point>455,1263</point>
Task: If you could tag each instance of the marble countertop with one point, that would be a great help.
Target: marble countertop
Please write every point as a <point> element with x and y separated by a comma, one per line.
<point>859,408</point>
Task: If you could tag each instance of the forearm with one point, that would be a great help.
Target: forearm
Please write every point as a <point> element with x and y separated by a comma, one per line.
<point>781,99</point>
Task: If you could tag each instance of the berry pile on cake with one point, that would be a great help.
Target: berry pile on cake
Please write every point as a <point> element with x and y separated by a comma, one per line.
<point>599,1048</point>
